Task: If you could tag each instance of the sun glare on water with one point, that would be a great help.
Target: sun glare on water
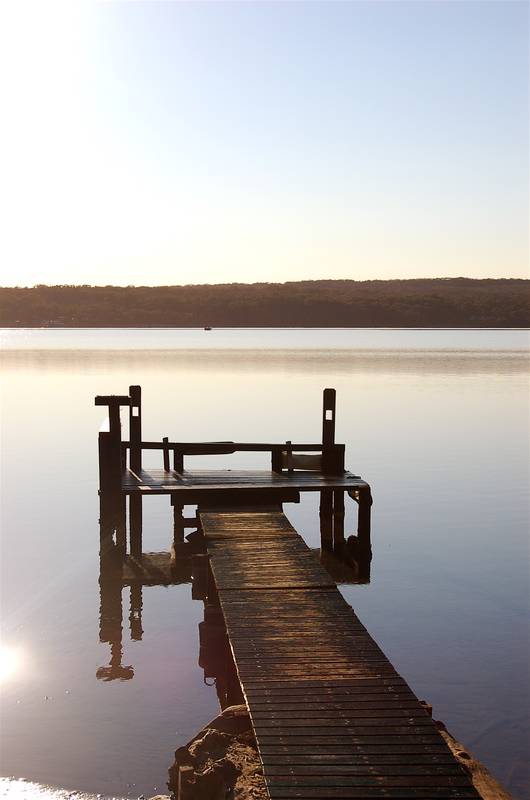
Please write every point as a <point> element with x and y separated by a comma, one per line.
<point>10,662</point>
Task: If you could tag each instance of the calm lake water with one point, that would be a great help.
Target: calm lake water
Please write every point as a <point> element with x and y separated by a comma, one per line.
<point>436,421</point>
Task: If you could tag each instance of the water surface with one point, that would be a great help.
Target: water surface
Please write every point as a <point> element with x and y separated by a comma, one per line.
<point>436,421</point>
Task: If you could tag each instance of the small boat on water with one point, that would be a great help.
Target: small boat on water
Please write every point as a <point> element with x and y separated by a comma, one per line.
<point>207,328</point>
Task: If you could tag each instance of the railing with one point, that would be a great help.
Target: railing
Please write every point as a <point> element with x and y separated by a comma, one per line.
<point>284,456</point>
<point>327,457</point>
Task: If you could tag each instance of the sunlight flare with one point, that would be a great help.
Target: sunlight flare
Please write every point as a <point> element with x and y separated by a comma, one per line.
<point>10,662</point>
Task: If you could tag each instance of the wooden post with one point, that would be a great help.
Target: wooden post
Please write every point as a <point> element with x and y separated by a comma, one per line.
<point>135,428</point>
<point>364,521</point>
<point>165,453</point>
<point>121,524</point>
<point>328,431</point>
<point>110,450</point>
<point>112,502</point>
<point>289,456</point>
<point>178,461</point>
<point>358,548</point>
<point>276,459</point>
<point>135,524</point>
<point>109,463</point>
<point>338,521</point>
<point>326,519</point>
<point>178,524</point>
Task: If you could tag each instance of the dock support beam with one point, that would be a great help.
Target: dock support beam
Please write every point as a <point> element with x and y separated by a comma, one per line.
<point>338,521</point>
<point>135,428</point>
<point>135,463</point>
<point>112,501</point>
<point>135,524</point>
<point>326,519</point>
<point>178,524</point>
<point>364,525</point>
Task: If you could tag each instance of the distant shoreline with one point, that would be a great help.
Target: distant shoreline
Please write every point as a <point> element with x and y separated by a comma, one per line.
<point>450,303</point>
<point>270,327</point>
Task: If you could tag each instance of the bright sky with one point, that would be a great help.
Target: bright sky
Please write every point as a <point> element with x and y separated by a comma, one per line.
<point>193,142</point>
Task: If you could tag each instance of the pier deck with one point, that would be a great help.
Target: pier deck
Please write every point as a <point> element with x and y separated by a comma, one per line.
<point>202,482</point>
<point>331,716</point>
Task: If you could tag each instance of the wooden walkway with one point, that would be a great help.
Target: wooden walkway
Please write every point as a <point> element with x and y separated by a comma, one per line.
<point>332,717</point>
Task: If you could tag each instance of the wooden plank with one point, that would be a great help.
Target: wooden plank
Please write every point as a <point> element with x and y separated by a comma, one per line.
<point>318,740</point>
<point>400,768</point>
<point>458,778</point>
<point>350,760</point>
<point>345,727</point>
<point>322,711</point>
<point>321,702</point>
<point>361,683</point>
<point>369,792</point>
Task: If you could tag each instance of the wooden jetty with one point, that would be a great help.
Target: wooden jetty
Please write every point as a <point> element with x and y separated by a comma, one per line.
<point>332,717</point>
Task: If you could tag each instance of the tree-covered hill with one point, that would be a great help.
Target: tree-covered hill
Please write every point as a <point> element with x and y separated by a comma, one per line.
<point>451,302</point>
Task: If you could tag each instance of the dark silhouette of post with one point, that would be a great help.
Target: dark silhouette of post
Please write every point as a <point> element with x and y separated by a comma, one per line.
<point>364,528</point>
<point>135,464</point>
<point>112,501</point>
<point>135,428</point>
<point>338,521</point>
<point>326,495</point>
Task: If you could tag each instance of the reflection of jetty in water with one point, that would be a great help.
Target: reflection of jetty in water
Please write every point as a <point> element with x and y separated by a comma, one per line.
<point>186,563</point>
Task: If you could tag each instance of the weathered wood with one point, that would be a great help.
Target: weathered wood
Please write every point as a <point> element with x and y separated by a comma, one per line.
<point>165,453</point>
<point>178,523</point>
<point>109,464</point>
<point>206,482</point>
<point>369,792</point>
<point>328,418</point>
<point>338,521</point>
<point>304,461</point>
<point>317,767</point>
<point>112,400</point>
<point>178,461</point>
<point>135,524</point>
<point>326,519</point>
<point>365,505</point>
<point>135,428</point>
<point>276,459</point>
<point>329,779</point>
<point>226,448</point>
<point>331,716</point>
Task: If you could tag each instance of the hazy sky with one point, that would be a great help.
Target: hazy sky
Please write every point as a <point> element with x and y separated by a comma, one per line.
<point>193,142</point>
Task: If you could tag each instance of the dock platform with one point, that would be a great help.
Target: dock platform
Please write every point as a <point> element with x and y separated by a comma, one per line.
<point>331,716</point>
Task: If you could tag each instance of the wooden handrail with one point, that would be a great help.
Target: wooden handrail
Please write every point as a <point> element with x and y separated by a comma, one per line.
<point>223,448</point>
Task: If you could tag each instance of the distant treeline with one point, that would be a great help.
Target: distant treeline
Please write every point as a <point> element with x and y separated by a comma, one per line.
<point>451,302</point>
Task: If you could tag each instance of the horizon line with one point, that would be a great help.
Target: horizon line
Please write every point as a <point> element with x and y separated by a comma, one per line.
<point>259,283</point>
